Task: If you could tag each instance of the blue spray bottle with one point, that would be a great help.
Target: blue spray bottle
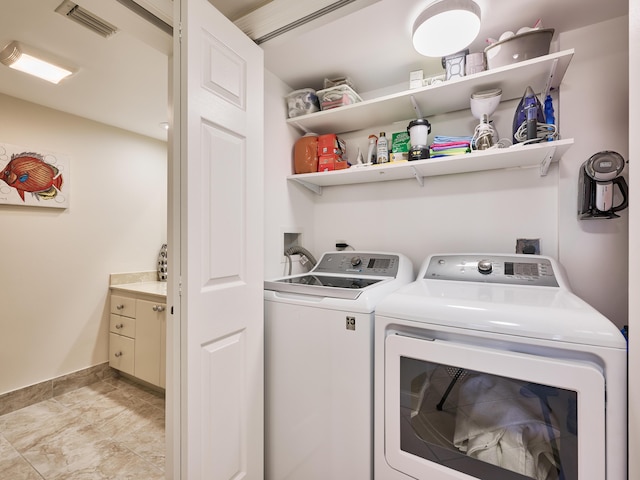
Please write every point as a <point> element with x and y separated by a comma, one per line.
<point>549,114</point>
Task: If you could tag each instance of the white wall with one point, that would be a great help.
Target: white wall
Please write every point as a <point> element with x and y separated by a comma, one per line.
<point>488,211</point>
<point>595,112</point>
<point>287,209</point>
<point>56,263</point>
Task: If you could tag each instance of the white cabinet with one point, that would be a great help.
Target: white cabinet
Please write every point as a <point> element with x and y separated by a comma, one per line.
<point>446,97</point>
<point>122,331</point>
<point>149,354</point>
<point>137,336</point>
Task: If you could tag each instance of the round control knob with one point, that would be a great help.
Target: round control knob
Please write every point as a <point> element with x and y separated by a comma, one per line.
<point>355,261</point>
<point>484,266</point>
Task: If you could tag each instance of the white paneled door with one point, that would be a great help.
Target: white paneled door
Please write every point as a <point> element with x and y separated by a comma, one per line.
<point>219,143</point>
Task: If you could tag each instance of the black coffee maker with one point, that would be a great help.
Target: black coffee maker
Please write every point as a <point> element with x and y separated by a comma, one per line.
<point>599,176</point>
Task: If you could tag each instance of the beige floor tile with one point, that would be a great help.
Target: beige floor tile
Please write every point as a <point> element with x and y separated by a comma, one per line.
<point>104,408</point>
<point>112,430</point>
<point>33,424</point>
<point>13,465</point>
<point>138,391</point>
<point>138,416</point>
<point>96,461</point>
<point>85,394</point>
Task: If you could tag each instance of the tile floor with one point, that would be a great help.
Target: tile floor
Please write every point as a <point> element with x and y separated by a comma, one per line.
<point>112,429</point>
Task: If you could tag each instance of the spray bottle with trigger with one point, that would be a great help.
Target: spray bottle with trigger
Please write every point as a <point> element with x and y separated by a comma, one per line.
<point>550,118</point>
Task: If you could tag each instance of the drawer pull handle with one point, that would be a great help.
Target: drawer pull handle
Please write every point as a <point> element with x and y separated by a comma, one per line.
<point>119,307</point>
<point>119,326</point>
<point>158,308</point>
<point>118,354</point>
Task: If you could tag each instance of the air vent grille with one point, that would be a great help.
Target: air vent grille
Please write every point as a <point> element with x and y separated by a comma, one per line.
<point>86,18</point>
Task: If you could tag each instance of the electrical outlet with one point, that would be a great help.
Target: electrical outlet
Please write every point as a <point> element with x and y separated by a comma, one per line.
<point>341,245</point>
<point>528,245</point>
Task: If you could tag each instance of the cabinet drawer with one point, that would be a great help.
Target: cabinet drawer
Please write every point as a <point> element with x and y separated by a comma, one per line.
<point>121,353</point>
<point>123,306</point>
<point>122,325</point>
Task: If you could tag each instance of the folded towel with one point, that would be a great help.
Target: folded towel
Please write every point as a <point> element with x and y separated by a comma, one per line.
<point>445,146</point>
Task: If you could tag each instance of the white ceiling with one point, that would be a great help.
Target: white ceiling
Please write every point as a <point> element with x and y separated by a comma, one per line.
<point>123,80</point>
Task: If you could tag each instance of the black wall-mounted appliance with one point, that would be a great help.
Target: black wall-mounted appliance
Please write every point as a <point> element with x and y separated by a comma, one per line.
<point>598,178</point>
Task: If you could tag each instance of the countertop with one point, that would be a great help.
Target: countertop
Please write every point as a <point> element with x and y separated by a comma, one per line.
<point>138,283</point>
<point>151,288</point>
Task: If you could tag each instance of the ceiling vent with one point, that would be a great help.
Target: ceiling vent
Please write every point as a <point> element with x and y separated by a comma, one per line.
<point>86,18</point>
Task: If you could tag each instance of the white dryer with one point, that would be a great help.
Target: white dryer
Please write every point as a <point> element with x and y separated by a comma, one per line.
<point>319,365</point>
<point>488,366</point>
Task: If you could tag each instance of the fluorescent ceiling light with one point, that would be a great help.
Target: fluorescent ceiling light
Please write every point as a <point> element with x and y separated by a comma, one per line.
<point>24,59</point>
<point>446,27</point>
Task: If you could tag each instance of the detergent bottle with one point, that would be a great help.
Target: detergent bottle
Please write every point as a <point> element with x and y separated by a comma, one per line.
<point>383,148</point>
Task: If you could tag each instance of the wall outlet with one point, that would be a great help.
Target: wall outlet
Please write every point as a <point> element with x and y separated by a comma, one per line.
<point>528,245</point>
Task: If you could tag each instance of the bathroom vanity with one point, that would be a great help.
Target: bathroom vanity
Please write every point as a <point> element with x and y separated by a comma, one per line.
<point>137,326</point>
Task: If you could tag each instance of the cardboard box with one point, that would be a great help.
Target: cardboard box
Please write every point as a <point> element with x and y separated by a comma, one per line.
<point>327,163</point>
<point>416,79</point>
<point>400,142</point>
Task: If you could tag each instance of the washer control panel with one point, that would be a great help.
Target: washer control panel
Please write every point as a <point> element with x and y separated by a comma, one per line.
<point>504,269</point>
<point>362,263</point>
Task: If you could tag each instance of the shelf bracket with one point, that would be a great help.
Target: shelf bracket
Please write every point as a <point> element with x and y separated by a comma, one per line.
<point>417,176</point>
<point>317,189</point>
<point>549,84</point>
<point>546,161</point>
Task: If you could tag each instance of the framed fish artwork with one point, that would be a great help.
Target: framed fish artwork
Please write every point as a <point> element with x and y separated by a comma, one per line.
<point>33,177</point>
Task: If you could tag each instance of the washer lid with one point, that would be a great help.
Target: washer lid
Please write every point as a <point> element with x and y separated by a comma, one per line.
<point>348,288</point>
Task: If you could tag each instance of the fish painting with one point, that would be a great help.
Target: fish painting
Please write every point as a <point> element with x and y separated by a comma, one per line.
<point>28,172</point>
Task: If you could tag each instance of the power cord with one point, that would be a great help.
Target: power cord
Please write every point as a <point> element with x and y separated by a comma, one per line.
<point>544,132</point>
<point>483,134</point>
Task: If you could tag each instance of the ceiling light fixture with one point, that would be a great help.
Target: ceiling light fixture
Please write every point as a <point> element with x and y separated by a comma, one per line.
<point>25,59</point>
<point>446,27</point>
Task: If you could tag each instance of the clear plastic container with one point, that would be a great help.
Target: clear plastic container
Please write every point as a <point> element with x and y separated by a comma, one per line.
<point>337,97</point>
<point>302,102</point>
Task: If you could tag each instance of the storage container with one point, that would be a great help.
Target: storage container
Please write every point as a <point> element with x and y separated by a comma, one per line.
<point>302,102</point>
<point>337,97</point>
<point>454,64</point>
<point>334,82</point>
<point>522,46</point>
<point>305,154</point>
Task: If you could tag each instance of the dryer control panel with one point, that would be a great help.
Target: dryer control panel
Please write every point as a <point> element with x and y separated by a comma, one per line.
<point>361,263</point>
<point>503,269</point>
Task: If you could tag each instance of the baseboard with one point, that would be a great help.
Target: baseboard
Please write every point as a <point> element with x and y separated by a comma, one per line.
<point>48,389</point>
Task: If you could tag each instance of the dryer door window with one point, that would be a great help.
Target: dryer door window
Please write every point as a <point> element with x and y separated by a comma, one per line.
<point>458,411</point>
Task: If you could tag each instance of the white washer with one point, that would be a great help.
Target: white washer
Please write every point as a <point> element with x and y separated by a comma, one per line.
<point>319,365</point>
<point>488,366</point>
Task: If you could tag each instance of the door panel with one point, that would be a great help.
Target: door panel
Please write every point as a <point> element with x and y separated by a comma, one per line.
<point>219,144</point>
<point>223,177</point>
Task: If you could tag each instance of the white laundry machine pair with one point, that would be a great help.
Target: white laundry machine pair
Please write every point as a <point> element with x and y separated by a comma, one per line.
<point>489,367</point>
<point>319,365</point>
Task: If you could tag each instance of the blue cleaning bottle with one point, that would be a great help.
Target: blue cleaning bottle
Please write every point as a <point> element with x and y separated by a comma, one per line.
<point>549,114</point>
